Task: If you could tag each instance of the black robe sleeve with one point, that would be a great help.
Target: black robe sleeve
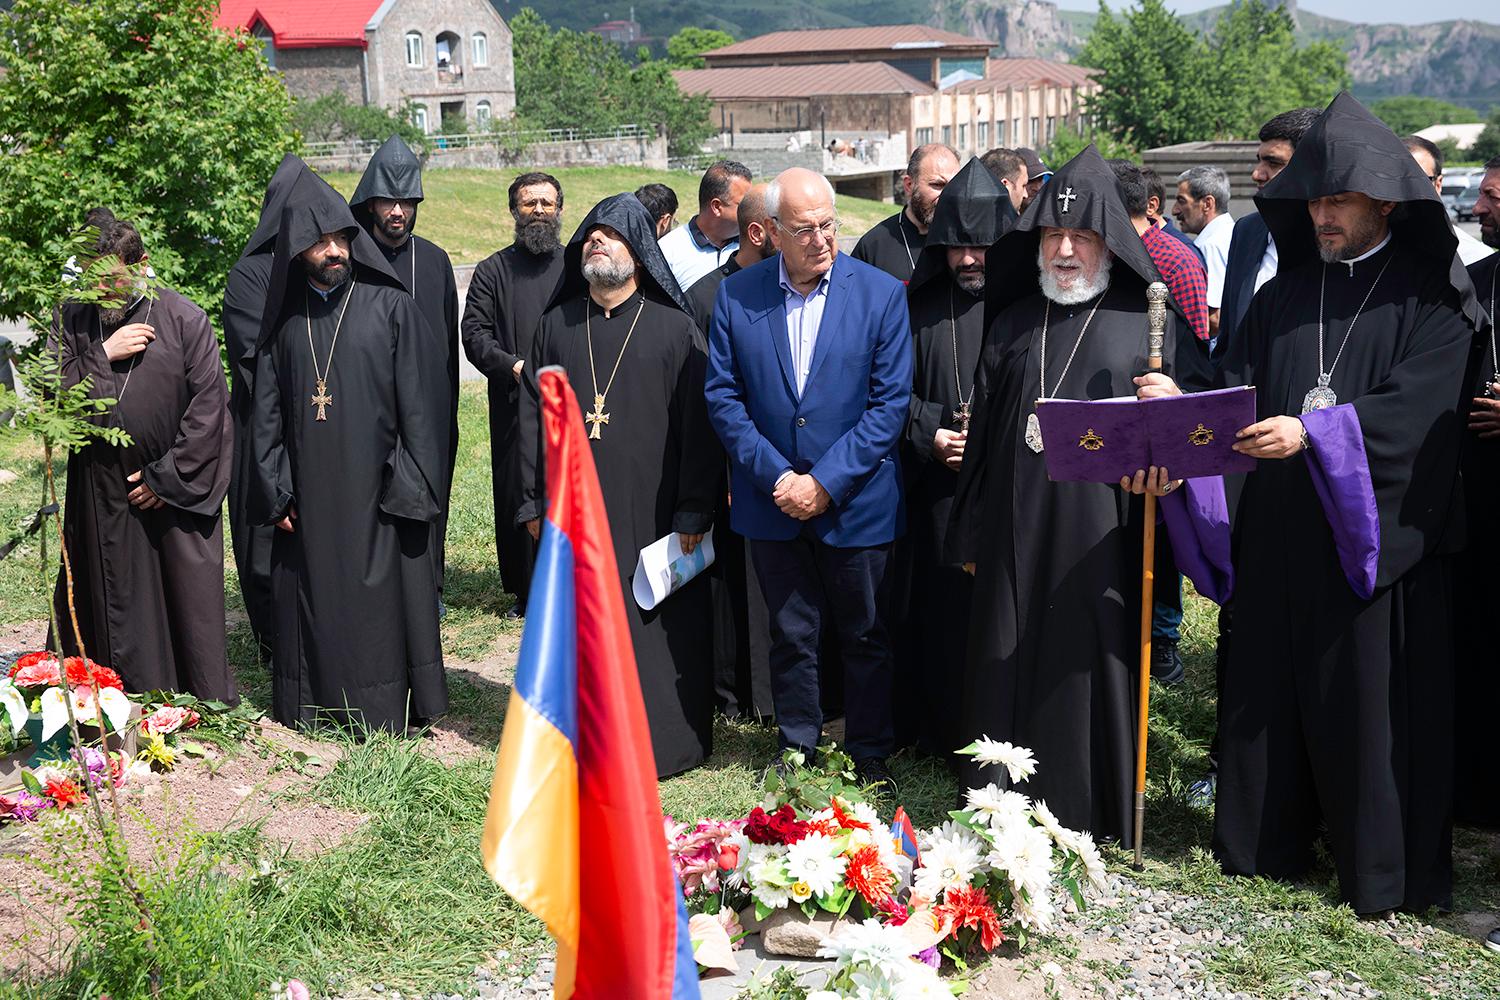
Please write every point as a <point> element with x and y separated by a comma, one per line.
<point>484,318</point>
<point>529,421</point>
<point>193,475</point>
<point>415,471</point>
<point>271,494</point>
<point>700,469</point>
<point>922,425</point>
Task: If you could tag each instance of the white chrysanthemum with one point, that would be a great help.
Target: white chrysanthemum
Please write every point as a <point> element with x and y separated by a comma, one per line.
<point>870,942</point>
<point>1050,823</point>
<point>814,860</point>
<point>770,868</point>
<point>1035,913</point>
<point>949,830</point>
<point>865,813</point>
<point>1093,861</point>
<point>1033,861</point>
<point>947,863</point>
<point>1018,762</point>
<point>774,896</point>
<point>1001,809</point>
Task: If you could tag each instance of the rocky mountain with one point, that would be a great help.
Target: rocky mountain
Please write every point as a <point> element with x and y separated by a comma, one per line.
<point>1452,60</point>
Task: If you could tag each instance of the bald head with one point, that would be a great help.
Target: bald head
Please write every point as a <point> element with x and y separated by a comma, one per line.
<point>799,203</point>
<point>927,173</point>
<point>755,242</point>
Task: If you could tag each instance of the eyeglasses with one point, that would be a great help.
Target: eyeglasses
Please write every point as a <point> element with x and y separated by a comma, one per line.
<point>828,230</point>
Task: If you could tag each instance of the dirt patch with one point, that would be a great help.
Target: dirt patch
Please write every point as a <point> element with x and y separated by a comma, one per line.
<point>24,635</point>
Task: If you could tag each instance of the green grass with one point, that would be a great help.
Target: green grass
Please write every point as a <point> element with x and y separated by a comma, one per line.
<point>466,213</point>
<point>22,595</point>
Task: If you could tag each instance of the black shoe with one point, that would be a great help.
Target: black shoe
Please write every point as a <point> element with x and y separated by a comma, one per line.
<point>1493,941</point>
<point>515,613</point>
<point>1166,663</point>
<point>873,772</point>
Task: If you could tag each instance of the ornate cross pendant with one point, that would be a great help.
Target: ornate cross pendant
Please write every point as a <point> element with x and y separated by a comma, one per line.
<point>961,417</point>
<point>1067,198</point>
<point>322,400</point>
<point>597,418</point>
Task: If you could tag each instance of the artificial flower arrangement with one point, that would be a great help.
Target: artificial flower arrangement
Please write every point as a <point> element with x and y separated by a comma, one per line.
<point>32,692</point>
<point>161,739</point>
<point>990,873</point>
<point>60,785</point>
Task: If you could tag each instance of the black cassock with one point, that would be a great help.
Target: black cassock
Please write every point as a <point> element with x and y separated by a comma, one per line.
<point>507,295</point>
<point>149,584</point>
<point>1476,596</point>
<point>893,245</point>
<point>660,470</point>
<point>426,272</point>
<point>354,590</point>
<point>1337,708</point>
<point>244,303</point>
<point>1054,638</point>
<point>934,641</point>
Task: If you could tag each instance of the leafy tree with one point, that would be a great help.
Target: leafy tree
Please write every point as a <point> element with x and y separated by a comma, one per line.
<point>1164,84</point>
<point>576,79</point>
<point>334,117</point>
<point>685,49</point>
<point>1412,113</point>
<point>1068,143</point>
<point>1487,146</point>
<point>145,107</point>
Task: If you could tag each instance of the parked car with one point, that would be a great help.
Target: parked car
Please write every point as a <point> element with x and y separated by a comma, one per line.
<point>1461,191</point>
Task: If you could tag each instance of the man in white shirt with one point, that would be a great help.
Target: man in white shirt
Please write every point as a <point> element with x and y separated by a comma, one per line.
<point>1430,158</point>
<point>1202,210</point>
<point>711,237</point>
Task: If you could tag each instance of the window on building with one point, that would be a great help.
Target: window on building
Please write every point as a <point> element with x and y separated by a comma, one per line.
<point>1000,132</point>
<point>419,116</point>
<point>947,135</point>
<point>1036,130</point>
<point>267,42</point>
<point>482,115</point>
<point>447,50</point>
<point>924,136</point>
<point>982,135</point>
<point>481,49</point>
<point>414,55</point>
<point>1051,127</point>
<point>963,137</point>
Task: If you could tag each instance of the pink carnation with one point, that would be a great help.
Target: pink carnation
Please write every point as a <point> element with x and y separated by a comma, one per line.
<point>40,672</point>
<point>169,719</point>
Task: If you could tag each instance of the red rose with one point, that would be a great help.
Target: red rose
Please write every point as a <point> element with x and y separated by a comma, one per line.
<point>64,792</point>
<point>729,857</point>
<point>758,827</point>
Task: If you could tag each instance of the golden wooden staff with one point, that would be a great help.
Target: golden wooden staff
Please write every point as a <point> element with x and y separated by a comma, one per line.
<point>1156,325</point>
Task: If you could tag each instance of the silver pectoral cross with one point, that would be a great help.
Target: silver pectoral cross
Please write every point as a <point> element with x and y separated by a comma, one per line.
<point>1067,198</point>
<point>961,417</point>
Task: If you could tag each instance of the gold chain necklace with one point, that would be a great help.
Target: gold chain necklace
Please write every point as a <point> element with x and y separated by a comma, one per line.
<point>321,399</point>
<point>598,418</point>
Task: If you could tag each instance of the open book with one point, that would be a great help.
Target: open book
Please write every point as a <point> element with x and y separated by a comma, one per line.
<point>1102,440</point>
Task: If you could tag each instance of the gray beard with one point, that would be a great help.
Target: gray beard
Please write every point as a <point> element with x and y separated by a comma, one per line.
<point>540,236</point>
<point>971,282</point>
<point>1081,290</point>
<point>607,273</point>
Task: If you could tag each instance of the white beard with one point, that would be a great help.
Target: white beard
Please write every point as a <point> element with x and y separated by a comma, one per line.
<point>1083,287</point>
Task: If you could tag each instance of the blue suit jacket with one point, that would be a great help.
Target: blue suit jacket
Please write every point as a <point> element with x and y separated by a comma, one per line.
<point>843,429</point>
<point>1246,247</point>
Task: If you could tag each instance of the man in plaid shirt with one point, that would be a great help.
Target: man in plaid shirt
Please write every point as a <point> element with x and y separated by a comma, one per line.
<point>1180,268</point>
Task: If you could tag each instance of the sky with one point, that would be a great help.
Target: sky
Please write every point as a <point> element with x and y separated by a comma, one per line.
<point>1365,11</point>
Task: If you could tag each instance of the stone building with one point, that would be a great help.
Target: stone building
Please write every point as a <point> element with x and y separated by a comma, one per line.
<point>449,59</point>
<point>910,80</point>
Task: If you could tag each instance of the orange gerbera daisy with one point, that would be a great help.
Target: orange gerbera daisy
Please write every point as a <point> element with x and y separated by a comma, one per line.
<point>970,907</point>
<point>866,875</point>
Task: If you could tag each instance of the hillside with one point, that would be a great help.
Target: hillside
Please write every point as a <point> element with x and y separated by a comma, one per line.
<point>1451,60</point>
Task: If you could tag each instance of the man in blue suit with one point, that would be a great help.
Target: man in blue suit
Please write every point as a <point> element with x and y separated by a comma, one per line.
<point>809,381</point>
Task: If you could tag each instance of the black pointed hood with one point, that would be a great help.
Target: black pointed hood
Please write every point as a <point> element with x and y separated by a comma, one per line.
<point>394,173</point>
<point>1349,149</point>
<point>263,240</point>
<point>974,210</point>
<point>313,208</point>
<point>1081,195</point>
<point>625,214</point>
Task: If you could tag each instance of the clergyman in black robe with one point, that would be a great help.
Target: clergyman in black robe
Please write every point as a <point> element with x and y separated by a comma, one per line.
<point>1337,699</point>
<point>742,626</point>
<point>1054,632</point>
<point>385,204</point>
<point>142,526</point>
<point>894,244</point>
<point>620,330</point>
<point>946,299</point>
<point>244,303</point>
<point>349,464</point>
<point>508,293</point>
<point>1476,595</point>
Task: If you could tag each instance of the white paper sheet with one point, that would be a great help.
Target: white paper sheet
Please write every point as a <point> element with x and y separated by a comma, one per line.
<point>663,568</point>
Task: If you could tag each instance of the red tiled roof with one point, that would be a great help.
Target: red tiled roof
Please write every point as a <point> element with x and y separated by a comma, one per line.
<point>878,38</point>
<point>302,24</point>
<point>1019,72</point>
<point>814,79</point>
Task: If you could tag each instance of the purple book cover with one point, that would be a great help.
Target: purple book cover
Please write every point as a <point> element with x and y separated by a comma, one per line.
<point>1102,440</point>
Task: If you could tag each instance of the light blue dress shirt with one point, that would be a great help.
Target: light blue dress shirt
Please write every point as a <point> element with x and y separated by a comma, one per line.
<point>804,315</point>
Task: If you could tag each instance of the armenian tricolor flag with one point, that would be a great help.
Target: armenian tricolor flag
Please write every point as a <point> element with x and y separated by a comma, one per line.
<point>574,776</point>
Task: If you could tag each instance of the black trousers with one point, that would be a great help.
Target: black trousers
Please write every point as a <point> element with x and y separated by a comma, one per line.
<point>810,586</point>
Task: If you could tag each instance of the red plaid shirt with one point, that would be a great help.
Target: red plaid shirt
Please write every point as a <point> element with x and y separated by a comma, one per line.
<point>1184,274</point>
